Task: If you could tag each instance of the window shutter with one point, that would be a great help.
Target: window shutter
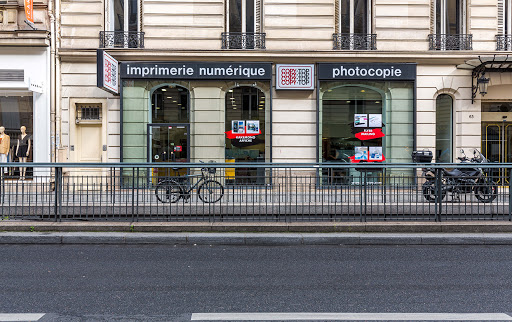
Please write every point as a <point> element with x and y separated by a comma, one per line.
<point>336,16</point>
<point>501,17</point>
<point>258,17</point>
<point>432,16</point>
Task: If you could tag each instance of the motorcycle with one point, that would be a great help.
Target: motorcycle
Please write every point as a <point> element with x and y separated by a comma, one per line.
<point>461,181</point>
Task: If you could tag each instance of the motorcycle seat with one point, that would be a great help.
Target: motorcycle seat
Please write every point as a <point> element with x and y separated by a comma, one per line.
<point>453,173</point>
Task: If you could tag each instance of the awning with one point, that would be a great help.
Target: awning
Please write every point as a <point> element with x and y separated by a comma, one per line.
<point>487,64</point>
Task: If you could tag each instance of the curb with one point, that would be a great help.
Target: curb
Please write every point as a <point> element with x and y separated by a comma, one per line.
<point>255,239</point>
<point>261,227</point>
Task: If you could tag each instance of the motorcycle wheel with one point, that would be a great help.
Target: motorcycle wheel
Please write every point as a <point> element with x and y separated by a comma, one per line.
<point>486,192</point>
<point>429,191</point>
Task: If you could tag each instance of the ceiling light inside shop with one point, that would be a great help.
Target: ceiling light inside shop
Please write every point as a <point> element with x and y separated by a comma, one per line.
<point>262,102</point>
<point>377,102</point>
<point>175,101</point>
<point>231,91</point>
<point>169,96</point>
<point>362,91</point>
<point>329,90</point>
<point>348,101</point>
<point>164,90</point>
<point>234,108</point>
<point>232,98</point>
<point>260,108</point>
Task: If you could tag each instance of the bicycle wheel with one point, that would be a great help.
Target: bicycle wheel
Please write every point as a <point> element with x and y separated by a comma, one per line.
<point>168,191</point>
<point>210,191</point>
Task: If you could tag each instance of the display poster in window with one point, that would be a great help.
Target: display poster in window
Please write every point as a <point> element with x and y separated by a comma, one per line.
<point>375,153</point>
<point>361,153</point>
<point>237,127</point>
<point>253,127</point>
<point>360,120</point>
<point>374,120</point>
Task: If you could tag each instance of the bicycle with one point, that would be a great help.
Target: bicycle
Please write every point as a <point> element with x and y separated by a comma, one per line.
<point>173,189</point>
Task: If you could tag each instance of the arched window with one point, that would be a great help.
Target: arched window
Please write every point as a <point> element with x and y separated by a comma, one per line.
<point>245,116</point>
<point>169,104</point>
<point>444,128</point>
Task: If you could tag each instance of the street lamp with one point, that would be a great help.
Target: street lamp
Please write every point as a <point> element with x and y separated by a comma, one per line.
<point>482,83</point>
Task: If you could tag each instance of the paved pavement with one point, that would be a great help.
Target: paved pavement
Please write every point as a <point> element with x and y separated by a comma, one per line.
<point>256,233</point>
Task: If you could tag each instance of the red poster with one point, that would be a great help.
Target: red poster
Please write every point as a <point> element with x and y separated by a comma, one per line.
<point>370,134</point>
<point>231,135</point>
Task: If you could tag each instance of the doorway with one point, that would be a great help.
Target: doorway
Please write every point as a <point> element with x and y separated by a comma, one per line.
<point>168,143</point>
<point>497,146</point>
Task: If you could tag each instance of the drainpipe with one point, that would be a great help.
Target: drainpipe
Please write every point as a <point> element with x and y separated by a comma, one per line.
<point>52,80</point>
<point>58,108</point>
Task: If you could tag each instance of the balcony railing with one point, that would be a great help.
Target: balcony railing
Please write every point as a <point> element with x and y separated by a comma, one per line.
<point>503,42</point>
<point>450,42</point>
<point>243,40</point>
<point>354,41</point>
<point>121,39</point>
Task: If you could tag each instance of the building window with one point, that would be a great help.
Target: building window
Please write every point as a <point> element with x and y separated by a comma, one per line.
<point>88,112</point>
<point>245,115</point>
<point>448,25</point>
<point>122,25</point>
<point>353,25</point>
<point>444,128</point>
<point>503,38</point>
<point>244,24</point>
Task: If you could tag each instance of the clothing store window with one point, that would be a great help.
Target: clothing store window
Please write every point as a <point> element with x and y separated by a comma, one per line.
<point>444,128</point>
<point>16,129</point>
<point>15,112</point>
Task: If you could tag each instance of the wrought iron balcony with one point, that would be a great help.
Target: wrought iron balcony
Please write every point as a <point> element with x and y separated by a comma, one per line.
<point>243,40</point>
<point>354,41</point>
<point>503,42</point>
<point>121,39</point>
<point>450,42</point>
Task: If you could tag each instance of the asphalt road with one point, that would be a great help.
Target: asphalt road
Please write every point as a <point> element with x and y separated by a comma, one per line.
<point>169,283</point>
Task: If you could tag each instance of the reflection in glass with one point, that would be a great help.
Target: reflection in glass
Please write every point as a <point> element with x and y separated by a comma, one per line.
<point>444,128</point>
<point>169,104</point>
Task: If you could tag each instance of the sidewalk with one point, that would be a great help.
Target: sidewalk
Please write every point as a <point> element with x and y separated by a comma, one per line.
<point>264,233</point>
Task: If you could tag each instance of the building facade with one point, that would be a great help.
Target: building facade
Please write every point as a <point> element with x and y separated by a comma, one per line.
<point>198,80</point>
<point>25,81</point>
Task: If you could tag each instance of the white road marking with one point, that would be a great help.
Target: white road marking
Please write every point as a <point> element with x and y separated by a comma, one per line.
<point>11,317</point>
<point>351,316</point>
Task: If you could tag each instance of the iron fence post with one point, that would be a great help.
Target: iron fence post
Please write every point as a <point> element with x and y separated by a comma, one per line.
<point>509,195</point>
<point>439,196</point>
<point>58,193</point>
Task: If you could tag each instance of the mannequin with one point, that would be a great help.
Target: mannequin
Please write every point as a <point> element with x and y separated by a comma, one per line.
<point>23,150</point>
<point>5,144</point>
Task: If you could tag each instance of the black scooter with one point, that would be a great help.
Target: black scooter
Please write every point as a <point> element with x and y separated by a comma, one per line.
<point>462,181</point>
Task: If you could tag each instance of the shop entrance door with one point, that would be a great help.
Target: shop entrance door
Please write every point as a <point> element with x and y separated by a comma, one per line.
<point>168,143</point>
<point>497,146</point>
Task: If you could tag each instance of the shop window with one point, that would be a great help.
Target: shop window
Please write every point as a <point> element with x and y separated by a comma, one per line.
<point>169,104</point>
<point>347,109</point>
<point>123,25</point>
<point>17,112</point>
<point>448,25</point>
<point>244,24</point>
<point>245,119</point>
<point>444,128</point>
<point>88,113</point>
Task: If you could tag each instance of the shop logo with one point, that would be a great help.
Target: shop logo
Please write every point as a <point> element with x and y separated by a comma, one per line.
<point>370,134</point>
<point>363,72</point>
<point>295,77</point>
<point>107,77</point>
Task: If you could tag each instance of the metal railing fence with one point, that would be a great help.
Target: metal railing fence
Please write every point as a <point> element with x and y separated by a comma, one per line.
<point>253,192</point>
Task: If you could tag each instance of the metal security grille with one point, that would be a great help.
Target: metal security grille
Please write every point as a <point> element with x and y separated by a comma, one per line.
<point>88,112</point>
<point>12,75</point>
